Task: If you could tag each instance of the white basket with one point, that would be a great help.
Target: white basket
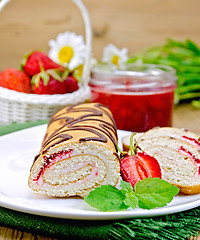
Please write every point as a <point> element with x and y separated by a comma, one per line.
<point>22,107</point>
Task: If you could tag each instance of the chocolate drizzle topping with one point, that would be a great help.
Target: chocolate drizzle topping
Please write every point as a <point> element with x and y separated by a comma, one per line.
<point>102,131</point>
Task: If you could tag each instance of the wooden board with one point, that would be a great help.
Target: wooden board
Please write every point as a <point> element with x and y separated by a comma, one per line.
<point>28,25</point>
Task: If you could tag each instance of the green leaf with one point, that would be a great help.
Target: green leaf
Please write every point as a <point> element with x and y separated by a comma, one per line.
<point>65,73</point>
<point>183,56</point>
<point>126,187</point>
<point>24,60</point>
<point>106,198</point>
<point>55,74</point>
<point>131,200</point>
<point>45,77</point>
<point>35,80</point>
<point>154,192</point>
<point>174,43</point>
<point>192,46</point>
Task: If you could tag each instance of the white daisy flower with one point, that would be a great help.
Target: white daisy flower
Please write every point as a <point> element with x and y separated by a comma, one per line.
<point>68,50</point>
<point>114,55</point>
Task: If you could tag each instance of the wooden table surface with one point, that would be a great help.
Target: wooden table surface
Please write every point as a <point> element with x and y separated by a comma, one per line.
<point>185,116</point>
<point>132,24</point>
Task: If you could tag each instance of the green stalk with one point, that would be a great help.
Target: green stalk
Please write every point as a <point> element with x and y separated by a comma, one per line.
<point>189,88</point>
<point>186,82</point>
<point>184,57</point>
<point>132,149</point>
<point>188,75</point>
<point>189,96</point>
<point>188,69</point>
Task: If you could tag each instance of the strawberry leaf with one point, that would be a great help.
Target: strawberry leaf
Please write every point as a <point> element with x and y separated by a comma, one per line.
<point>65,73</point>
<point>45,77</point>
<point>55,74</point>
<point>106,198</point>
<point>154,192</point>
<point>24,60</point>
<point>35,80</point>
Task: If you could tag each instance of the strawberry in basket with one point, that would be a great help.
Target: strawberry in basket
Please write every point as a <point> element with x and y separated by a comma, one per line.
<point>15,79</point>
<point>39,75</point>
<point>71,84</point>
<point>32,62</point>
<point>53,81</point>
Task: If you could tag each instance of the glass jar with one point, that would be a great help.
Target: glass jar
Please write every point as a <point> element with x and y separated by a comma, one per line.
<point>140,96</point>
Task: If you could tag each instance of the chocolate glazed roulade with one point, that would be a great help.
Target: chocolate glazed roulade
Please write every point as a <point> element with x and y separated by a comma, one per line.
<point>78,152</point>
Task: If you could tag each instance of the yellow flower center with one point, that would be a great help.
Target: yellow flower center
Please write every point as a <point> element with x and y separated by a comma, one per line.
<point>65,54</point>
<point>115,60</point>
<point>79,70</point>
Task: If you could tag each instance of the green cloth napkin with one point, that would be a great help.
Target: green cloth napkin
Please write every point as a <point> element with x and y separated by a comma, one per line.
<point>170,227</point>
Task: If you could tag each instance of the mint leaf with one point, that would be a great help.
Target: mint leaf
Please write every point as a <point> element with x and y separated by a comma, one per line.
<point>131,200</point>
<point>106,198</point>
<point>149,193</point>
<point>126,187</point>
<point>154,192</point>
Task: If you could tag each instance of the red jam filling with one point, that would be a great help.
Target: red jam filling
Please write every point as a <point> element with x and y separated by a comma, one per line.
<point>48,161</point>
<point>192,141</point>
<point>137,112</point>
<point>192,157</point>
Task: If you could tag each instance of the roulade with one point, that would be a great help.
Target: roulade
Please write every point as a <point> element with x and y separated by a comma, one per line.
<point>78,152</point>
<point>178,153</point>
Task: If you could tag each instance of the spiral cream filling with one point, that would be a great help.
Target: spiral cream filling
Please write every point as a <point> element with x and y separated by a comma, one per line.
<point>77,173</point>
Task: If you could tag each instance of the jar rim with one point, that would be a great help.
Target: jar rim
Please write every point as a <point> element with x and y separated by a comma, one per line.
<point>147,78</point>
<point>134,69</point>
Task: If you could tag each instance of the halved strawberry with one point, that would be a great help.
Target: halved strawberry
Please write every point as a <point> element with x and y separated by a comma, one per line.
<point>32,62</point>
<point>139,165</point>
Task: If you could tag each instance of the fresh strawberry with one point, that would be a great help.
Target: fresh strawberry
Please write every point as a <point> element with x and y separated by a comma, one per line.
<point>139,165</point>
<point>71,84</point>
<point>15,79</point>
<point>48,82</point>
<point>32,62</point>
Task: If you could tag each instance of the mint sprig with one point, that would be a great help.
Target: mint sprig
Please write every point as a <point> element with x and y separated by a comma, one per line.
<point>106,198</point>
<point>148,193</point>
<point>154,192</point>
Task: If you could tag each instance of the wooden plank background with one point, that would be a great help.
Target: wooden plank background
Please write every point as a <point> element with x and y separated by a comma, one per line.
<point>136,24</point>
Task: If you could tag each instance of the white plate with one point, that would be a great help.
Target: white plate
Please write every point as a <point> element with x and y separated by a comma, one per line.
<point>17,153</point>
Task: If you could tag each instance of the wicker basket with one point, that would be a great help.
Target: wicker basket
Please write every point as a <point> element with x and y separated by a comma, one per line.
<point>22,107</point>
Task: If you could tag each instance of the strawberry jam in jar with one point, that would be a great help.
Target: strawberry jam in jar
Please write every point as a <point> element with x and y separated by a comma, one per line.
<point>140,96</point>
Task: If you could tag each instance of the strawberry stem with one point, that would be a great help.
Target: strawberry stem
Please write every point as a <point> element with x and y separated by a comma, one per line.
<point>132,147</point>
<point>122,153</point>
<point>118,149</point>
<point>41,66</point>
